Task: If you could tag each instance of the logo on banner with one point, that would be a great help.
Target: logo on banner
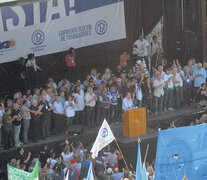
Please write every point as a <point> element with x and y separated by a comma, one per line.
<point>104,132</point>
<point>101,27</point>
<point>38,37</point>
<point>7,44</point>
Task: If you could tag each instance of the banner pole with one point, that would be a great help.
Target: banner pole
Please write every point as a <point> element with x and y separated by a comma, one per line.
<point>93,171</point>
<point>122,154</point>
<point>146,152</point>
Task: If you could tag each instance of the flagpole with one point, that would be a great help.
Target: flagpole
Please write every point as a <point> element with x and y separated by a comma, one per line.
<point>93,171</point>
<point>121,154</point>
<point>146,152</point>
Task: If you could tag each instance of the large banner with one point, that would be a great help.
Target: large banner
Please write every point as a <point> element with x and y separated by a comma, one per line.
<point>56,25</point>
<point>182,151</point>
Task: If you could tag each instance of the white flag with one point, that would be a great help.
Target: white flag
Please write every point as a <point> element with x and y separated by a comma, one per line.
<point>105,137</point>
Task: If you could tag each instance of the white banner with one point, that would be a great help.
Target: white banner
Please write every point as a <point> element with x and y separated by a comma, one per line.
<point>105,136</point>
<point>56,25</point>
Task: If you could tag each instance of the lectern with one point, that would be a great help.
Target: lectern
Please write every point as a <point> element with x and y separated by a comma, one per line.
<point>134,122</point>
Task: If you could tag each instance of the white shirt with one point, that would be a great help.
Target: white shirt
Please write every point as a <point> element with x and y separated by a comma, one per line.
<point>183,75</point>
<point>54,85</point>
<point>89,97</point>
<point>162,74</point>
<point>170,83</point>
<point>141,47</point>
<point>153,48</point>
<point>158,92</point>
<point>67,157</point>
<point>52,162</point>
<point>127,104</point>
<point>177,78</point>
<point>69,110</point>
<point>32,63</point>
<point>80,103</point>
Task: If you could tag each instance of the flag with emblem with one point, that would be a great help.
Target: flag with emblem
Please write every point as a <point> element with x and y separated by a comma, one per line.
<point>105,137</point>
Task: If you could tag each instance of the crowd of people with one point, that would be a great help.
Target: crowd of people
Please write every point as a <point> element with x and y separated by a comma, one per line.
<point>156,84</point>
<point>75,160</point>
<point>152,82</point>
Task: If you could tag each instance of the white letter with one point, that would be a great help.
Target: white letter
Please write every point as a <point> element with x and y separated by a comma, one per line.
<point>1,23</point>
<point>36,10</point>
<point>21,16</point>
<point>72,4</point>
<point>60,9</point>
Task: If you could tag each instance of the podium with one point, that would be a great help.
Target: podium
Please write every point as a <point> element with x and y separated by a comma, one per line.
<point>134,122</point>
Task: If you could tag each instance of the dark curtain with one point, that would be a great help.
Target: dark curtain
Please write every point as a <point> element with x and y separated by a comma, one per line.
<point>192,26</point>
<point>133,19</point>
<point>151,14</point>
<point>172,33</point>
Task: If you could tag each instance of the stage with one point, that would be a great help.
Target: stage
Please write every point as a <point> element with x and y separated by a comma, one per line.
<point>181,117</point>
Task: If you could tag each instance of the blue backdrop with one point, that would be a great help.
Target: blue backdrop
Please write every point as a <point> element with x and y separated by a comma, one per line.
<point>182,149</point>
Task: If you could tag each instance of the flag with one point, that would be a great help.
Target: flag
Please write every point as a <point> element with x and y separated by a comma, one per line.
<point>105,137</point>
<point>179,150</point>
<point>35,172</point>
<point>17,174</point>
<point>67,175</point>
<point>139,164</point>
<point>144,173</point>
<point>90,173</point>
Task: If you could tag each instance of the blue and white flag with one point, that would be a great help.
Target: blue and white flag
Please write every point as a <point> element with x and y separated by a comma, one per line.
<point>144,173</point>
<point>105,137</point>
<point>182,150</point>
<point>90,173</point>
<point>139,164</point>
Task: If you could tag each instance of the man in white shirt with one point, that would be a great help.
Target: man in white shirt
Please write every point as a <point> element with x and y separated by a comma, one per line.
<point>176,82</point>
<point>169,90</point>
<point>79,103</point>
<point>158,86</point>
<point>160,70</point>
<point>127,103</point>
<point>90,101</point>
<point>141,49</point>
<point>58,116</point>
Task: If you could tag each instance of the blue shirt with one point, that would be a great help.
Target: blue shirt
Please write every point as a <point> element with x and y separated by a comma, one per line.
<point>104,97</point>
<point>62,100</point>
<point>58,107</point>
<point>117,176</point>
<point>114,98</point>
<point>199,80</point>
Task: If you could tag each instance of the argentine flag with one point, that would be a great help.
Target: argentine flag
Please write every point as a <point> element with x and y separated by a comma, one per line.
<point>90,173</point>
<point>139,164</point>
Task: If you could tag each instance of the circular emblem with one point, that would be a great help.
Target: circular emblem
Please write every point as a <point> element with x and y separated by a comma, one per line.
<point>38,37</point>
<point>104,132</point>
<point>101,27</point>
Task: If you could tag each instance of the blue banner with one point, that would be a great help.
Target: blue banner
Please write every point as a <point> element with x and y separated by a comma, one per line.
<point>180,150</point>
